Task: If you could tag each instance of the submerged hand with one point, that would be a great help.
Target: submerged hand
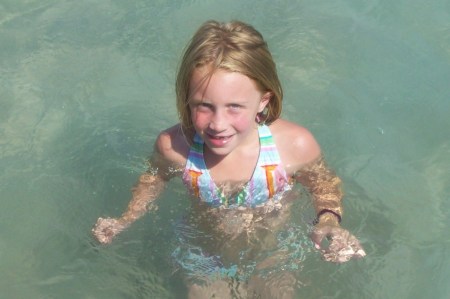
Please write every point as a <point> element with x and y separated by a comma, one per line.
<point>106,229</point>
<point>343,245</point>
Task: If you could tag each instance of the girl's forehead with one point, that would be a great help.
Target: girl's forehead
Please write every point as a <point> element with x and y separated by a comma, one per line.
<point>222,85</point>
<point>207,70</point>
<point>203,74</point>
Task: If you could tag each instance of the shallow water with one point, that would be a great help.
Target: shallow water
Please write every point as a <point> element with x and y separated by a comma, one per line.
<point>86,86</point>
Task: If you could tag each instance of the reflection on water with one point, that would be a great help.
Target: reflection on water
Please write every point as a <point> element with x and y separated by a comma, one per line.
<point>85,88</point>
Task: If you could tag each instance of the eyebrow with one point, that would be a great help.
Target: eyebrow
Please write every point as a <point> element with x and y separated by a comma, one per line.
<point>234,101</point>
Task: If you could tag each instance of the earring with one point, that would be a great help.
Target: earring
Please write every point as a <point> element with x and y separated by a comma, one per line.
<point>261,117</point>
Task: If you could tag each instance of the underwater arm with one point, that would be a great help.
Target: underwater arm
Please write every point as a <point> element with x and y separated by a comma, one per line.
<point>165,163</point>
<point>145,191</point>
<point>325,188</point>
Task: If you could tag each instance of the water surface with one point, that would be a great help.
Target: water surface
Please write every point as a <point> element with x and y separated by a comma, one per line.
<point>86,86</point>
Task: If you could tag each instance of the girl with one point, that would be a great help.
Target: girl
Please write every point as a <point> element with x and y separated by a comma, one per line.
<point>239,160</point>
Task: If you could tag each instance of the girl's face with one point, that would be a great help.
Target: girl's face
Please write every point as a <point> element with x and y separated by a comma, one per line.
<point>224,108</point>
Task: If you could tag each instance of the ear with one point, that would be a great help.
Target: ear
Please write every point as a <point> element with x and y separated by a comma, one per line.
<point>264,101</point>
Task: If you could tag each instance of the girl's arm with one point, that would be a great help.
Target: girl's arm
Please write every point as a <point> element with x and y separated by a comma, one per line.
<point>169,154</point>
<point>145,191</point>
<point>326,189</point>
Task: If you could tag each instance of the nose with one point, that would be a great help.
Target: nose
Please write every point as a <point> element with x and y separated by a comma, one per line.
<point>218,121</point>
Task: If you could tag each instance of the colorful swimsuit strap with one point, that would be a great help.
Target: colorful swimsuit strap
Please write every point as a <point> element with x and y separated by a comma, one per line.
<point>268,178</point>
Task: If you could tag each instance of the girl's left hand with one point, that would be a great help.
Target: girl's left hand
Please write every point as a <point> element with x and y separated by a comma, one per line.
<point>342,247</point>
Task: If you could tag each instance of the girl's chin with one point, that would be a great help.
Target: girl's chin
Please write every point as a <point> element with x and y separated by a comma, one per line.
<point>220,148</point>
<point>219,151</point>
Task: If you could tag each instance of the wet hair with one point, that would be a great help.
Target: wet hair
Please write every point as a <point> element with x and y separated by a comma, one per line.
<point>232,46</point>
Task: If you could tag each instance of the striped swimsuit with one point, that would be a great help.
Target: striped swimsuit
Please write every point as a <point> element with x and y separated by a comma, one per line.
<point>269,177</point>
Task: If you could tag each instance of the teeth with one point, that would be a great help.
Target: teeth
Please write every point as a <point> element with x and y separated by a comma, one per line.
<point>219,138</point>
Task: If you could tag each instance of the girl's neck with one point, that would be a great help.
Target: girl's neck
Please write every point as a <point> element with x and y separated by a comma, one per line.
<point>238,165</point>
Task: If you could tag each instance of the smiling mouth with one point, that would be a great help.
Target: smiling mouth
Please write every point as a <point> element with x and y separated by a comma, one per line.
<point>218,137</point>
<point>219,140</point>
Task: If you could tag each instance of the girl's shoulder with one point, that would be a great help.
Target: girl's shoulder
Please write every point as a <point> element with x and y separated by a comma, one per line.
<point>295,144</point>
<point>173,144</point>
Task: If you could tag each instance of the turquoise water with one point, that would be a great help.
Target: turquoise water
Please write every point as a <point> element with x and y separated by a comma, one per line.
<point>85,86</point>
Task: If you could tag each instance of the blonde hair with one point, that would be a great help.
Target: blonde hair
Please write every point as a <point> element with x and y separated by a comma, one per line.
<point>233,46</point>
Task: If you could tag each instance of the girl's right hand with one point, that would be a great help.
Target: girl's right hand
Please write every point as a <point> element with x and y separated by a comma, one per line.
<point>106,229</point>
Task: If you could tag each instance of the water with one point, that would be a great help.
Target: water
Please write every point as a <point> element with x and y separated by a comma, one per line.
<point>87,85</point>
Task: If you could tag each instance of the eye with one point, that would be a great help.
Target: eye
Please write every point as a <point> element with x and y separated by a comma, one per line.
<point>204,106</point>
<point>235,107</point>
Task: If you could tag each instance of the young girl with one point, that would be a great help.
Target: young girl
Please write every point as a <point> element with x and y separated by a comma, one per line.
<point>239,161</point>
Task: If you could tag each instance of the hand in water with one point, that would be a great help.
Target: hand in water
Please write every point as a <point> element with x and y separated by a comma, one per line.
<point>106,229</point>
<point>343,245</point>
